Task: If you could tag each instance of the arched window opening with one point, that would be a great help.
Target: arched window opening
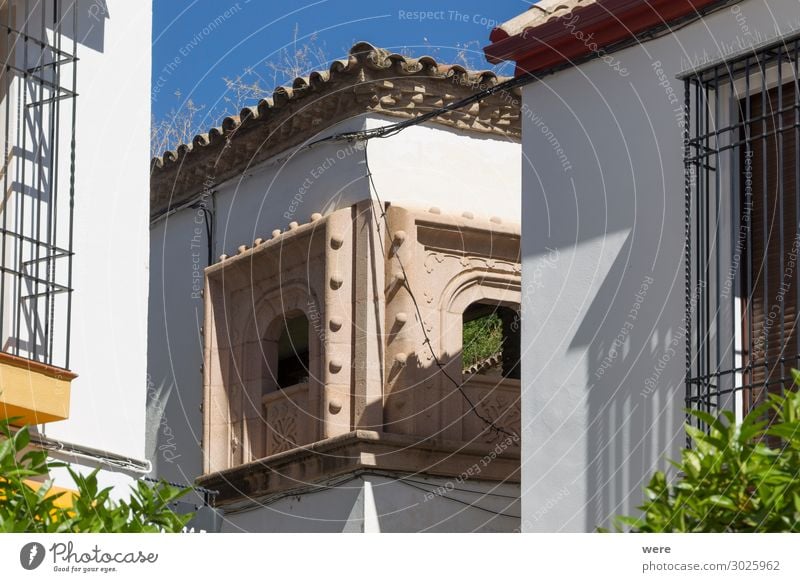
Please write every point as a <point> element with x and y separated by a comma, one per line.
<point>293,352</point>
<point>491,341</point>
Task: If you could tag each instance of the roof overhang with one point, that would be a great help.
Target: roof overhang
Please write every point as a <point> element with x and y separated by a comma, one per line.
<point>586,30</point>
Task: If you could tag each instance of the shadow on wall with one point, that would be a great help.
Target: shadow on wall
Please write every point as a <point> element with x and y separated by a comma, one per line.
<point>421,401</point>
<point>327,510</point>
<point>266,417</point>
<point>91,24</point>
<point>37,39</point>
<point>635,373</point>
<point>92,16</point>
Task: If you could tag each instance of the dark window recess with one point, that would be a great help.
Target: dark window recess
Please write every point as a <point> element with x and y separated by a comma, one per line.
<point>490,341</point>
<point>293,352</point>
<point>770,313</point>
<point>37,123</point>
<point>742,198</point>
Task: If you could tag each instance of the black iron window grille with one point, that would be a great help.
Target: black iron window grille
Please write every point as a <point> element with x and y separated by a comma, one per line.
<point>38,43</point>
<point>742,226</point>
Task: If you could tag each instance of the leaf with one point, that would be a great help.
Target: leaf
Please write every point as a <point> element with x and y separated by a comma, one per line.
<point>732,480</point>
<point>6,447</point>
<point>722,501</point>
<point>634,523</point>
<point>22,438</point>
<point>23,509</point>
<point>788,431</point>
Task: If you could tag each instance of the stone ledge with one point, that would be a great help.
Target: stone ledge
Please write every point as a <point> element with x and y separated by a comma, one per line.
<point>359,450</point>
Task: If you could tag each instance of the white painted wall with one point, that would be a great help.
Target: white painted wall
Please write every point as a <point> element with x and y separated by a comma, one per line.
<point>603,259</point>
<point>379,504</point>
<point>423,166</point>
<point>430,165</point>
<point>111,235</point>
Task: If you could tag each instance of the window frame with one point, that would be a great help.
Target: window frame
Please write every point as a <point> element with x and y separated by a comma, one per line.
<point>715,192</point>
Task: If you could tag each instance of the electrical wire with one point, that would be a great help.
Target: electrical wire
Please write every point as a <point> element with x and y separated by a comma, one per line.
<point>208,218</point>
<point>265,501</point>
<point>459,385</point>
<point>306,489</point>
<point>526,78</point>
<point>462,502</point>
<point>395,128</point>
<point>461,490</point>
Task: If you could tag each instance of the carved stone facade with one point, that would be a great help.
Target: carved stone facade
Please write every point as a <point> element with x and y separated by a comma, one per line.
<point>384,296</point>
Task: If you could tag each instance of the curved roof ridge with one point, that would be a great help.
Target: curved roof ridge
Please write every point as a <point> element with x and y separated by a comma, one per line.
<point>362,55</point>
<point>369,80</point>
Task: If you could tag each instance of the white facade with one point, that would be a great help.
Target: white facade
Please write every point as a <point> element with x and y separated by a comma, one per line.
<point>422,167</point>
<point>376,503</point>
<point>110,271</point>
<point>603,335</point>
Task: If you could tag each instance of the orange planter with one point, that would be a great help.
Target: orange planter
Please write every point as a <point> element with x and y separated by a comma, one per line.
<point>33,391</point>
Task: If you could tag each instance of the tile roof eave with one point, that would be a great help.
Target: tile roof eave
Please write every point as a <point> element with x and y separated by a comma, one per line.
<point>369,80</point>
<point>547,43</point>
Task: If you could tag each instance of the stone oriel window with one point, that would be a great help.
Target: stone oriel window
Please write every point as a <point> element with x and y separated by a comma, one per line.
<point>264,376</point>
<point>317,356</point>
<point>312,335</point>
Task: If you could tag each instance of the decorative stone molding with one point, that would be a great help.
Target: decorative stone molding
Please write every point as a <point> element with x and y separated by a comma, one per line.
<point>360,451</point>
<point>456,261</point>
<point>247,298</point>
<point>286,415</point>
<point>499,401</point>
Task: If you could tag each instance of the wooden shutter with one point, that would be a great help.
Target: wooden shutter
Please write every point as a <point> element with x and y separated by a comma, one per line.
<point>770,276</point>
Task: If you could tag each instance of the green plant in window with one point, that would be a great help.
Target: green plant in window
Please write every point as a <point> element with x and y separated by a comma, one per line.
<point>482,338</point>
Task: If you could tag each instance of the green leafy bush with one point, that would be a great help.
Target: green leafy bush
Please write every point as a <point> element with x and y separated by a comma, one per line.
<point>731,479</point>
<point>25,509</point>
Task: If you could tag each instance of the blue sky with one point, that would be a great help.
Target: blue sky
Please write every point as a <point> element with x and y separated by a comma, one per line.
<point>196,43</point>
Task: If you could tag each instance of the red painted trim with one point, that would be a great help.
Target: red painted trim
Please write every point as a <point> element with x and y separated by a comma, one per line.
<point>606,22</point>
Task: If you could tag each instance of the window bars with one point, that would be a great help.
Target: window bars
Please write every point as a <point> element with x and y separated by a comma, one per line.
<point>37,121</point>
<point>742,161</point>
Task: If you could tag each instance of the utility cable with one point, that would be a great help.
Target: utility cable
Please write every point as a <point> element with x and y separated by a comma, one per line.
<point>395,128</point>
<point>461,489</point>
<point>462,502</point>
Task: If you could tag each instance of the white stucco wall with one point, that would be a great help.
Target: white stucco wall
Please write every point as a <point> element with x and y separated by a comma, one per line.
<point>430,165</point>
<point>110,272</point>
<point>422,167</point>
<point>603,260</point>
<point>379,504</point>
